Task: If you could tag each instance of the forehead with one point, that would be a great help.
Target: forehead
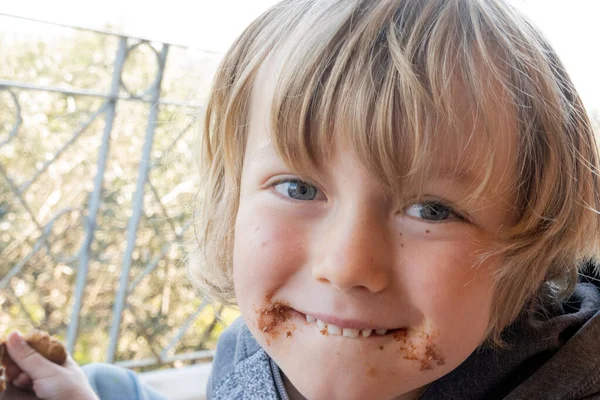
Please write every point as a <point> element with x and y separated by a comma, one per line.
<point>471,140</point>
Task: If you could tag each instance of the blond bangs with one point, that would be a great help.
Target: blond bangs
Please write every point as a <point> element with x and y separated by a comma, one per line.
<point>377,90</point>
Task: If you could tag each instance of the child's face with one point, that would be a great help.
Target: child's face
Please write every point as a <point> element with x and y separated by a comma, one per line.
<point>344,251</point>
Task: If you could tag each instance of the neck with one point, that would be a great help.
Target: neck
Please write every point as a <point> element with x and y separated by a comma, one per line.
<point>294,394</point>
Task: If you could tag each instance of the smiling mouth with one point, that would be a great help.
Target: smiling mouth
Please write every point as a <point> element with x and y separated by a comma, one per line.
<point>353,333</point>
<point>277,313</point>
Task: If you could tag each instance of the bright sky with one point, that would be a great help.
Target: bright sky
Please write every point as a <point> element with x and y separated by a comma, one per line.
<point>572,26</point>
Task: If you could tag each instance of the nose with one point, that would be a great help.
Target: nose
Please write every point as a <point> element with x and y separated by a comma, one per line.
<point>355,253</point>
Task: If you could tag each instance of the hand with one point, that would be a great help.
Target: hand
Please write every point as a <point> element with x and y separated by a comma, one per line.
<point>34,374</point>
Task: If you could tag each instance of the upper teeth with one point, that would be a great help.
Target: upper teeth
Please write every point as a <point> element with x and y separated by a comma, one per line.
<point>347,332</point>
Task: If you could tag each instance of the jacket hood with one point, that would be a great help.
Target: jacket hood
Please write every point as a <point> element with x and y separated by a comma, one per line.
<point>554,354</point>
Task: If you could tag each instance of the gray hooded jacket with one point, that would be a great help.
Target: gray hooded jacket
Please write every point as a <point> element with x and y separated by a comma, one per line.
<point>557,358</point>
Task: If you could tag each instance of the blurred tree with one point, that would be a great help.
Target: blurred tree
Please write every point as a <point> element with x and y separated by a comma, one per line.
<point>41,293</point>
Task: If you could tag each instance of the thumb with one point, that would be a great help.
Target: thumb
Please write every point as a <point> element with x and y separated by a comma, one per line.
<point>27,359</point>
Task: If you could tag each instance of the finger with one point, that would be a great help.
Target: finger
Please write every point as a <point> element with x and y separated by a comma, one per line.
<point>22,380</point>
<point>29,360</point>
<point>12,371</point>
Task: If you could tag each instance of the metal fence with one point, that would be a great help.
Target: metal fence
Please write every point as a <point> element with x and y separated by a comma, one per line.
<point>94,214</point>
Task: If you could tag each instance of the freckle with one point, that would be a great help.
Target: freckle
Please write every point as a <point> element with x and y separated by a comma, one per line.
<point>263,244</point>
<point>371,372</point>
<point>381,348</point>
<point>427,231</point>
<point>372,259</point>
<point>400,233</point>
<point>401,245</point>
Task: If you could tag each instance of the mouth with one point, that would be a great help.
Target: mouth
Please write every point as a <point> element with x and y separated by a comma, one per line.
<point>328,328</point>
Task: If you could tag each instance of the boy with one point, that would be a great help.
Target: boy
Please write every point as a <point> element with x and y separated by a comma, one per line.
<point>398,195</point>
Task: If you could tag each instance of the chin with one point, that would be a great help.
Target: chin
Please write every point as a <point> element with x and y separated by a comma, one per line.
<point>334,377</point>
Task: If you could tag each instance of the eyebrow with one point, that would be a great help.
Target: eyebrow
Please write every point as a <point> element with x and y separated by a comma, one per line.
<point>264,151</point>
<point>463,177</point>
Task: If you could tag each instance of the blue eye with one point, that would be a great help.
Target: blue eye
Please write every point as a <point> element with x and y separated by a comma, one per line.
<point>296,189</point>
<point>431,211</point>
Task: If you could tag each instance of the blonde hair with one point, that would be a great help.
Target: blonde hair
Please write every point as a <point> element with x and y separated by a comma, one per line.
<point>385,74</point>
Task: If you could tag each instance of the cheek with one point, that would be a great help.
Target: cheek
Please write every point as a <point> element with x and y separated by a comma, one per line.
<point>452,289</point>
<point>268,251</point>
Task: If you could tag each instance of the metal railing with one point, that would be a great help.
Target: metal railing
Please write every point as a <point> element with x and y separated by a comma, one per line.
<point>22,251</point>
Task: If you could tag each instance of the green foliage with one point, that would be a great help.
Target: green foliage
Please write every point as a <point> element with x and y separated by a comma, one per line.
<point>41,293</point>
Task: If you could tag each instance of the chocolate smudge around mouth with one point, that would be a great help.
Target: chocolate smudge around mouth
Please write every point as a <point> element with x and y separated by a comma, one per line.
<point>432,356</point>
<point>274,314</point>
<point>271,317</point>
